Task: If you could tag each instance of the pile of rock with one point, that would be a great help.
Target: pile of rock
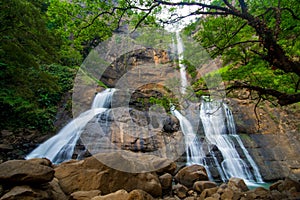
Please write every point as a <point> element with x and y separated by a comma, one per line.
<point>30,179</point>
<point>90,179</point>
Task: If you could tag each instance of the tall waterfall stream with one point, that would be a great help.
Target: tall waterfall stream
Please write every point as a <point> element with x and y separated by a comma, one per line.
<point>215,116</point>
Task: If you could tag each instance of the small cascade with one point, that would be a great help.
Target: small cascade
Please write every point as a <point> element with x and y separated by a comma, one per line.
<point>194,152</point>
<point>232,132</point>
<point>219,129</point>
<point>60,147</point>
<point>103,99</point>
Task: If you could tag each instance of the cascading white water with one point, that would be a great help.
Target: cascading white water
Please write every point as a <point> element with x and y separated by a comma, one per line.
<point>194,152</point>
<point>103,99</point>
<point>60,147</point>
<point>219,128</point>
<point>233,133</point>
<point>180,49</point>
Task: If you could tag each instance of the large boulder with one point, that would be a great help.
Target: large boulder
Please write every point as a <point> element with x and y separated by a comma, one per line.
<point>44,191</point>
<point>26,172</point>
<point>190,174</point>
<point>91,174</point>
<point>180,190</point>
<point>199,186</point>
<point>84,195</point>
<point>166,181</point>
<point>139,195</point>
<point>25,192</point>
<point>118,195</point>
<point>237,184</point>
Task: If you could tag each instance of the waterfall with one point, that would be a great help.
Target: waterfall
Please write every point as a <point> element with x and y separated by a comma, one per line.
<point>220,132</point>
<point>232,132</point>
<point>180,49</point>
<point>193,146</point>
<point>219,129</point>
<point>60,147</point>
<point>103,99</point>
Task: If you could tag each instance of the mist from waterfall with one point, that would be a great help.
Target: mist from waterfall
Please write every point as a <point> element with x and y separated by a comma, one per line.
<point>60,147</point>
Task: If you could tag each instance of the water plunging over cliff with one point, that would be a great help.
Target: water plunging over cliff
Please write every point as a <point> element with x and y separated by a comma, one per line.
<point>180,50</point>
<point>220,134</point>
<point>60,147</point>
<point>219,129</point>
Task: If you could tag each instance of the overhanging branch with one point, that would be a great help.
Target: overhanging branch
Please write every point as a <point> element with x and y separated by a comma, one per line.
<point>282,98</point>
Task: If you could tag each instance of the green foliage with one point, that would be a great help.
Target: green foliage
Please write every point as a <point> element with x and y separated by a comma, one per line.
<point>191,69</point>
<point>162,101</point>
<point>81,24</point>
<point>30,87</point>
<point>242,54</point>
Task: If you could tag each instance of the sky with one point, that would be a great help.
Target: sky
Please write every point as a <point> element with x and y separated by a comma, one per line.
<point>180,11</point>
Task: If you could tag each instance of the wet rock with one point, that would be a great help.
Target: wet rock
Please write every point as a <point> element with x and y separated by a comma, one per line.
<point>275,185</point>
<point>25,172</point>
<point>190,174</point>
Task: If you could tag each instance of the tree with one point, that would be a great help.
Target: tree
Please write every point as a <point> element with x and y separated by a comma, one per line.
<point>28,91</point>
<point>271,37</point>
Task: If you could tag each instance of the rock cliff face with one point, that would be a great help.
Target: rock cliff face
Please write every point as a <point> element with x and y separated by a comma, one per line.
<point>273,142</point>
<point>134,130</point>
<point>272,137</point>
<point>271,134</point>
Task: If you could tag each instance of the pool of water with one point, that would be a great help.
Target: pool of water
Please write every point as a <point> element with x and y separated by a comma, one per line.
<point>253,185</point>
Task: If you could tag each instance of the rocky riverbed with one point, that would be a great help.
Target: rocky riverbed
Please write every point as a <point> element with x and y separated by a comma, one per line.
<point>90,179</point>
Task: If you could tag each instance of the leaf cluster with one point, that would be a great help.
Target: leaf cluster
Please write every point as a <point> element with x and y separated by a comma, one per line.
<point>30,85</point>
